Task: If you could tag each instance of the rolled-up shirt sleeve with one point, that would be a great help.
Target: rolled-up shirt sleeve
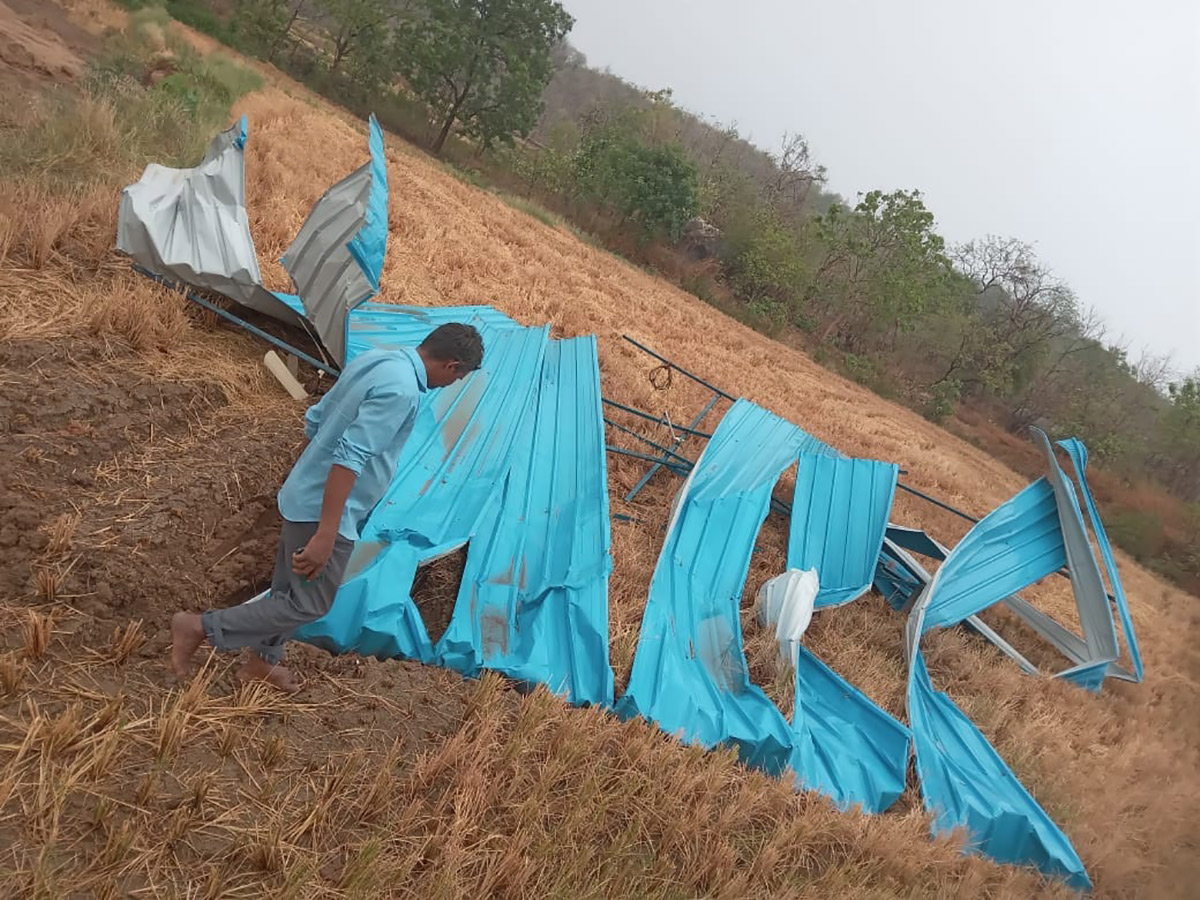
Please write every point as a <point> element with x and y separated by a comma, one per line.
<point>375,425</point>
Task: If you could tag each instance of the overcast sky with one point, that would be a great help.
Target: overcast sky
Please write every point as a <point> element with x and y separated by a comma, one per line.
<point>1071,124</point>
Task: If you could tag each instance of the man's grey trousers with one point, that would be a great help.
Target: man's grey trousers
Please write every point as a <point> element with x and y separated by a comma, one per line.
<point>265,625</point>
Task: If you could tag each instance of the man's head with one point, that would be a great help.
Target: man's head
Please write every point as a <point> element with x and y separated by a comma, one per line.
<point>452,351</point>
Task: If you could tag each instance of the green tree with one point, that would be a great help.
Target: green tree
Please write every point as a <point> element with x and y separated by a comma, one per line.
<point>883,267</point>
<point>482,64</point>
<point>264,25</point>
<point>654,186</point>
<point>1180,435</point>
<point>353,24</point>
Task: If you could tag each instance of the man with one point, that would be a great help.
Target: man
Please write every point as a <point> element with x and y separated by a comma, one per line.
<point>353,439</point>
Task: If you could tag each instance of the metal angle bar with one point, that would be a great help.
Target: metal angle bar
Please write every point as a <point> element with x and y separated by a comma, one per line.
<point>673,466</point>
<point>679,369</point>
<point>977,624</point>
<point>652,418</point>
<point>646,440</point>
<point>238,321</point>
<point>717,390</point>
<point>716,397</point>
<point>935,502</point>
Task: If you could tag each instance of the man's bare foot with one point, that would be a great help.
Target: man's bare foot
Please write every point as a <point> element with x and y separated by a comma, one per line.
<point>258,669</point>
<point>187,634</point>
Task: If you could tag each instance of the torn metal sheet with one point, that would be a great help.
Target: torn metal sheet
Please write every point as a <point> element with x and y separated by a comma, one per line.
<point>843,744</point>
<point>1091,599</point>
<point>690,675</point>
<point>534,598</point>
<point>337,258</point>
<point>1079,456</point>
<point>839,512</point>
<point>453,465</point>
<point>189,226</point>
<point>964,782</point>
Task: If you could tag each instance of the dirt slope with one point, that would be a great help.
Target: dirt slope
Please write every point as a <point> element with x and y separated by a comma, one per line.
<point>147,445</point>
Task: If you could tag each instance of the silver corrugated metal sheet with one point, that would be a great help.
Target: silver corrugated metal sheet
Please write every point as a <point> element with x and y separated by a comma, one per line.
<point>190,226</point>
<point>330,271</point>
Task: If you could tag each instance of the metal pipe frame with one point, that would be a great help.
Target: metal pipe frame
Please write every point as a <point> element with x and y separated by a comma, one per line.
<point>237,320</point>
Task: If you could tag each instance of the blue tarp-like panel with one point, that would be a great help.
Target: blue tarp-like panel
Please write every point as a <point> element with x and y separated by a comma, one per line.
<point>689,674</point>
<point>1015,545</point>
<point>534,596</point>
<point>845,746</point>
<point>839,513</point>
<point>1079,457</point>
<point>370,243</point>
<point>965,782</point>
<point>453,465</point>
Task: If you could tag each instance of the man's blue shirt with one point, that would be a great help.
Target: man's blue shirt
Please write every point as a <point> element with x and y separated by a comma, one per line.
<point>361,424</point>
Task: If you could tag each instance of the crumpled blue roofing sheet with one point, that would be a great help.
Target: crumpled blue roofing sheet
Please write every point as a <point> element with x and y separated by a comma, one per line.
<point>534,598</point>
<point>839,512</point>
<point>1079,457</point>
<point>690,675</point>
<point>843,745</point>
<point>453,464</point>
<point>963,780</point>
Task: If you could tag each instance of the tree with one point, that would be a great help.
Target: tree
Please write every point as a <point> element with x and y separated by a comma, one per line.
<point>354,23</point>
<point>655,186</point>
<point>266,24</point>
<point>1180,430</point>
<point>884,266</point>
<point>482,64</point>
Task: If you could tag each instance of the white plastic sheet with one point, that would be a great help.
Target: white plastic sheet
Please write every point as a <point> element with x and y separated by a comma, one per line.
<point>786,603</point>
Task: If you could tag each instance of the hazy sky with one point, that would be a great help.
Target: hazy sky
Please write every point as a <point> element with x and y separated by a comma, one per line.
<point>1071,124</point>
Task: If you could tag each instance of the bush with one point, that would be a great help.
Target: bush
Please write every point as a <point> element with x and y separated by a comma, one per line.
<point>107,131</point>
<point>943,400</point>
<point>656,187</point>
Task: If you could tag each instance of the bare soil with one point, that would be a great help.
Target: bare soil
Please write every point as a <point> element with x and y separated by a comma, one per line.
<point>39,42</point>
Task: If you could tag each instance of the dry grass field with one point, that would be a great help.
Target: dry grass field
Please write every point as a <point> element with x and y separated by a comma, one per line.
<point>144,443</point>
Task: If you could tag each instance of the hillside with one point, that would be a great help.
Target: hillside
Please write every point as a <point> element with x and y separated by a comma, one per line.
<point>148,445</point>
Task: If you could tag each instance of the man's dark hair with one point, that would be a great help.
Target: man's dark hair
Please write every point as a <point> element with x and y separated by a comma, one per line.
<point>454,340</point>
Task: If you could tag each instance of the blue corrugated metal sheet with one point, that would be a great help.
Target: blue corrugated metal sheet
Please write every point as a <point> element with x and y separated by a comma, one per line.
<point>1079,457</point>
<point>1017,544</point>
<point>963,780</point>
<point>965,783</point>
<point>383,326</point>
<point>455,462</point>
<point>690,675</point>
<point>534,597</point>
<point>839,514</point>
<point>369,245</point>
<point>843,745</point>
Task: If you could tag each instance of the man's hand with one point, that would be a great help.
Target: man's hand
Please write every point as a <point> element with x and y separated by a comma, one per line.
<point>311,559</point>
